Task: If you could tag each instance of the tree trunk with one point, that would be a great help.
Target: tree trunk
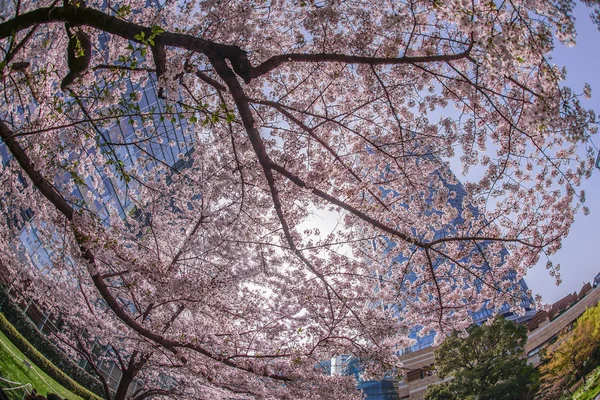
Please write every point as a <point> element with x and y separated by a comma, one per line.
<point>123,387</point>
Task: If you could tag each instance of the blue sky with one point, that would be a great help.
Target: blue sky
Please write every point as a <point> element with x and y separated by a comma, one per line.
<point>580,254</point>
<point>579,257</point>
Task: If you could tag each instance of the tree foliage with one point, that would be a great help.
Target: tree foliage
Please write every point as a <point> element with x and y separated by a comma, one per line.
<point>573,355</point>
<point>202,265</point>
<point>487,364</point>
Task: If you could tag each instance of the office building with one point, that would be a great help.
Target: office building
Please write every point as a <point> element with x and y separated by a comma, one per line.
<point>423,341</point>
<point>172,144</point>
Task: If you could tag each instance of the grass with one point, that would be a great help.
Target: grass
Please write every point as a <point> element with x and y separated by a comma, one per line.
<point>592,387</point>
<point>13,368</point>
<point>42,362</point>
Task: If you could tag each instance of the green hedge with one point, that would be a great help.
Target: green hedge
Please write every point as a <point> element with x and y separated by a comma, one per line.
<point>30,338</point>
<point>26,348</point>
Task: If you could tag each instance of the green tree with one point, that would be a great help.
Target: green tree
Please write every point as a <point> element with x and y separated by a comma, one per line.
<point>488,364</point>
<point>572,356</point>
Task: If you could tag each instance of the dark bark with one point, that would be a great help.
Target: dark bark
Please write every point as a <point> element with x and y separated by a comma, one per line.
<point>79,42</point>
<point>61,204</point>
<point>236,56</point>
<point>124,384</point>
<point>275,61</point>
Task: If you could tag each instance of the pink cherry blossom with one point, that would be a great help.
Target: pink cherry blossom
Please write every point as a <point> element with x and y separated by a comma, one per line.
<point>170,183</point>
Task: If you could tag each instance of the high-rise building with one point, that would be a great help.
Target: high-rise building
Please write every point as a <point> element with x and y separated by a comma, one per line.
<point>172,143</point>
<point>389,389</point>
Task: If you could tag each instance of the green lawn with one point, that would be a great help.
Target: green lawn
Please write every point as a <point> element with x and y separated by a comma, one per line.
<point>591,389</point>
<point>13,368</point>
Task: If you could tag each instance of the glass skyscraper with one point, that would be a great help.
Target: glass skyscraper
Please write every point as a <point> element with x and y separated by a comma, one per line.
<point>387,389</point>
<point>171,144</point>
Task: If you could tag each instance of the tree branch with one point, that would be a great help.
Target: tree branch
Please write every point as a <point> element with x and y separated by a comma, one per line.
<point>61,205</point>
<point>276,61</point>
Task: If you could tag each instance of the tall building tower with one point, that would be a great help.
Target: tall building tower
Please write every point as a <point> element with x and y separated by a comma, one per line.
<point>390,389</point>
<point>517,287</point>
<point>171,144</point>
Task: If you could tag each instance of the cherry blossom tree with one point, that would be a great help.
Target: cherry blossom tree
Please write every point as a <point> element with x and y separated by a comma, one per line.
<point>290,109</point>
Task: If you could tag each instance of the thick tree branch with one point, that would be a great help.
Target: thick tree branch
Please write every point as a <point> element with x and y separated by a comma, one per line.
<point>61,205</point>
<point>38,180</point>
<point>276,61</point>
<point>241,102</point>
<point>155,392</point>
<point>128,30</point>
<point>237,57</point>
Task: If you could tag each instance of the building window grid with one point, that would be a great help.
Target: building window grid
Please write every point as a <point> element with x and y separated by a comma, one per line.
<point>109,191</point>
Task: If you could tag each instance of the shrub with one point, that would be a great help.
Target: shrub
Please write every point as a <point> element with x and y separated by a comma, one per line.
<point>27,337</point>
